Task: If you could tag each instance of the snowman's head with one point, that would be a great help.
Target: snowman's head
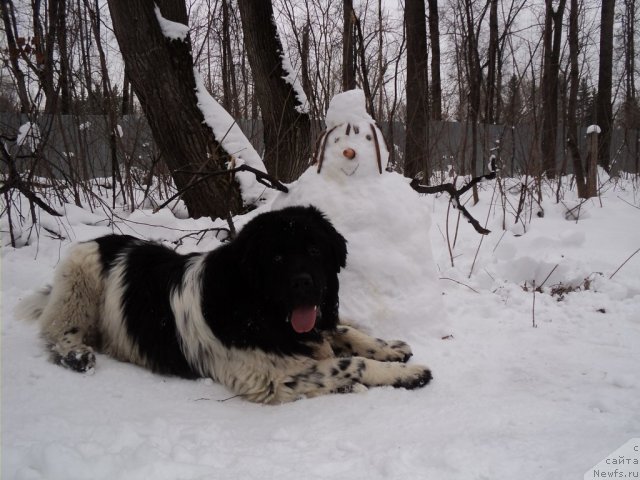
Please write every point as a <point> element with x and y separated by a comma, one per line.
<point>351,149</point>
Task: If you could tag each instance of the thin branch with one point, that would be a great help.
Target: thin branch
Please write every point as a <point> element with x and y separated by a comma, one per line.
<point>550,273</point>
<point>459,283</point>
<point>455,194</point>
<point>14,181</point>
<point>262,178</point>
<point>623,263</point>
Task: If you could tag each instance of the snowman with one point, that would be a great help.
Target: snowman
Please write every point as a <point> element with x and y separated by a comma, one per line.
<point>389,285</point>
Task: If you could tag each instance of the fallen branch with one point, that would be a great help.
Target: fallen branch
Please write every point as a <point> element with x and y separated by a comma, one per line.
<point>455,195</point>
<point>262,178</point>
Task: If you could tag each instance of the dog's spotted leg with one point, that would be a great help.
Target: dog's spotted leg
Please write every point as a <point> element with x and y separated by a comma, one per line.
<point>348,341</point>
<point>349,374</point>
<point>71,352</point>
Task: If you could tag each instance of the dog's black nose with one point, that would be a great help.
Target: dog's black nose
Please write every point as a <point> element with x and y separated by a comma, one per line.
<point>301,283</point>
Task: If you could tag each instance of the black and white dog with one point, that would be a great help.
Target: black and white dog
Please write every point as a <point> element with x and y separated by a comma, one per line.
<point>258,314</point>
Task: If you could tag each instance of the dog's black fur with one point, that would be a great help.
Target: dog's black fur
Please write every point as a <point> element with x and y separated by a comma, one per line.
<point>279,261</point>
<point>226,314</point>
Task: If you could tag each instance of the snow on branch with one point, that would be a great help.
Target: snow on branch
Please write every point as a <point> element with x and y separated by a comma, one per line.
<point>229,134</point>
<point>170,29</point>
<point>456,193</point>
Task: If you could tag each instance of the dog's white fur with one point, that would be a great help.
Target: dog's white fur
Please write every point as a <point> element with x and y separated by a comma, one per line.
<point>82,311</point>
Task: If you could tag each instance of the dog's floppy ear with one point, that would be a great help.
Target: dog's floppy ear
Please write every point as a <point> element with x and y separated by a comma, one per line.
<point>332,238</point>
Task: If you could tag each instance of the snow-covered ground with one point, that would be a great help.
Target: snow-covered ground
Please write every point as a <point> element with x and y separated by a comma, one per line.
<point>508,400</point>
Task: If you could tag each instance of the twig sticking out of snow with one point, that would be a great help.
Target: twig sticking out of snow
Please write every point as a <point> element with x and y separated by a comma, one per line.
<point>623,263</point>
<point>533,307</point>
<point>456,193</point>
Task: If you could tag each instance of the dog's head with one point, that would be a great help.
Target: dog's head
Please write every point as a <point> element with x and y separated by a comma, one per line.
<point>292,258</point>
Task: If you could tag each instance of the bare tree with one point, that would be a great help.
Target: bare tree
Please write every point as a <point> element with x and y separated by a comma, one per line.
<point>492,64</point>
<point>552,38</point>
<point>161,73</point>
<point>604,112</point>
<point>349,46</point>
<point>472,22</point>
<point>415,156</point>
<point>629,31</point>
<point>14,50</point>
<point>38,55</point>
<point>436,83</point>
<point>287,127</point>
<point>574,79</point>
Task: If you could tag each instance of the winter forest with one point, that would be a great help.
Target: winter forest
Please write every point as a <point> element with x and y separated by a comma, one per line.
<point>481,159</point>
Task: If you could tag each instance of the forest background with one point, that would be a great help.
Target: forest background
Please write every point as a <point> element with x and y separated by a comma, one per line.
<point>451,82</point>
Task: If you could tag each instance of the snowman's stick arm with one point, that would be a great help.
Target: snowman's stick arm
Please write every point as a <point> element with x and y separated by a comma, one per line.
<point>455,196</point>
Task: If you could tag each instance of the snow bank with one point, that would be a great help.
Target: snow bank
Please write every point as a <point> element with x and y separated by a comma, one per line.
<point>507,400</point>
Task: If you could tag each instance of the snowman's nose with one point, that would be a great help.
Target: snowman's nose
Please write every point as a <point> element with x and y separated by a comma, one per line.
<point>350,153</point>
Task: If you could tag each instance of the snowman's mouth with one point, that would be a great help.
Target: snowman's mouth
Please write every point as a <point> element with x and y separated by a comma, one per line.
<point>353,166</point>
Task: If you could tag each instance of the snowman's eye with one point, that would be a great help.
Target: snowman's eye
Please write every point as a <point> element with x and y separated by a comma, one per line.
<point>356,130</point>
<point>336,140</point>
<point>368,137</point>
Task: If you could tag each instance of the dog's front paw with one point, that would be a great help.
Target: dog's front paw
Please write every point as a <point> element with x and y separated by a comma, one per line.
<point>82,361</point>
<point>400,350</point>
<point>412,377</point>
<point>391,351</point>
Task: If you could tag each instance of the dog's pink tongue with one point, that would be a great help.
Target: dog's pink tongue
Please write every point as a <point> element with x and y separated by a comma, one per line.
<point>303,319</point>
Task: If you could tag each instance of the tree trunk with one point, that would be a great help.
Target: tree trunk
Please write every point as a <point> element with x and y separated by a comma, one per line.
<point>348,47</point>
<point>360,51</point>
<point>475,84</point>
<point>492,54</point>
<point>229,89</point>
<point>47,71</point>
<point>287,128</point>
<point>307,84</point>
<point>161,73</point>
<point>604,110</point>
<point>126,107</point>
<point>572,123</point>
<point>436,83</point>
<point>416,155</point>
<point>64,77</point>
<point>629,26</point>
<point>551,43</point>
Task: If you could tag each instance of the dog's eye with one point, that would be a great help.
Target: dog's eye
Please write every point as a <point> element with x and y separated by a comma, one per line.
<point>368,137</point>
<point>314,251</point>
